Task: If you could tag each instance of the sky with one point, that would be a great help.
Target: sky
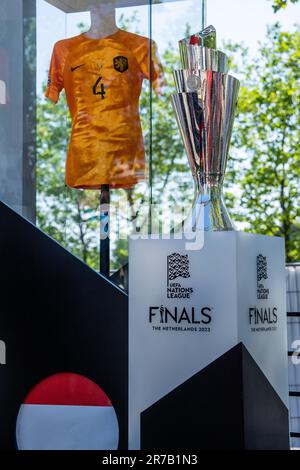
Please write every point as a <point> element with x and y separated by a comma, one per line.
<point>236,20</point>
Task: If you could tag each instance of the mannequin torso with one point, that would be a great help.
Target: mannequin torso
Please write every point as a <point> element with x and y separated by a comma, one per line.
<point>103,20</point>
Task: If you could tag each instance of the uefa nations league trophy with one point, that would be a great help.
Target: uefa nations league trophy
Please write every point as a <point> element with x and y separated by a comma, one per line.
<point>205,105</point>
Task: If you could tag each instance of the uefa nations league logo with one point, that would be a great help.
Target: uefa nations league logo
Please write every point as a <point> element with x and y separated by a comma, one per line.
<point>261,274</point>
<point>261,263</point>
<point>177,266</point>
<point>262,317</point>
<point>178,315</point>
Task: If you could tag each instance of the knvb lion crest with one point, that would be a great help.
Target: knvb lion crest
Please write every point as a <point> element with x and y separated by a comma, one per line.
<point>121,63</point>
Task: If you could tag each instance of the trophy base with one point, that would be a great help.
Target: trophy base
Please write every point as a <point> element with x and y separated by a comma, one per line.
<point>208,214</point>
<point>190,373</point>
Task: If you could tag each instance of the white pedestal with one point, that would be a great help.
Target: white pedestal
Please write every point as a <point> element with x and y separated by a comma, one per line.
<point>180,325</point>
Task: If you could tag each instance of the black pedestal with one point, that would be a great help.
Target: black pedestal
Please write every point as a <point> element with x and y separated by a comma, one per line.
<point>56,315</point>
<point>229,404</point>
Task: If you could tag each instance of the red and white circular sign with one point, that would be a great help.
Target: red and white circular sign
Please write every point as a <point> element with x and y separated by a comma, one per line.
<point>67,411</point>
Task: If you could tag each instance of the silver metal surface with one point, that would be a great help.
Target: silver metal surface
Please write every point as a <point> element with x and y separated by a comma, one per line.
<point>205,125</point>
<point>199,57</point>
<point>204,106</point>
<point>196,80</point>
<point>207,37</point>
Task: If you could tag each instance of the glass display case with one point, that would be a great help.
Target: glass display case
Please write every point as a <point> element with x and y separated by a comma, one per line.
<point>86,118</point>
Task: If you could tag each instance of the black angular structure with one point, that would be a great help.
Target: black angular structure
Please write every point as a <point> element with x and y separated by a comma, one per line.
<point>229,404</point>
<point>56,315</point>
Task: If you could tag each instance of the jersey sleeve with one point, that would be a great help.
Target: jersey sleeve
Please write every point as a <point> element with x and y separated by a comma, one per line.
<point>55,82</point>
<point>153,71</point>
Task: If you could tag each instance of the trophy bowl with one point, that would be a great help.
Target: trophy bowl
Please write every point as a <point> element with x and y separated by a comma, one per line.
<point>204,104</point>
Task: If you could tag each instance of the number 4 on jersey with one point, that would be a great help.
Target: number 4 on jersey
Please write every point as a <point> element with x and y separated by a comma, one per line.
<point>99,89</point>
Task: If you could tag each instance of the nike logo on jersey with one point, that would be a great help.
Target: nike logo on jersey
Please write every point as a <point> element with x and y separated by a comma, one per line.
<point>77,67</point>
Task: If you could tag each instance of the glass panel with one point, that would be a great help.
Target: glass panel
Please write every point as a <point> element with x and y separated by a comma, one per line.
<point>171,182</point>
<point>72,216</point>
<point>121,131</point>
<point>17,105</point>
<point>110,118</point>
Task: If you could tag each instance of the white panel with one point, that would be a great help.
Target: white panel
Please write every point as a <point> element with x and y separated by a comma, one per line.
<point>160,360</point>
<point>295,414</point>
<point>293,302</point>
<point>287,272</point>
<point>293,331</point>
<point>295,443</point>
<point>293,305</point>
<point>60,427</point>
<point>265,339</point>
<point>223,277</point>
<point>293,288</point>
<point>298,287</point>
<point>291,279</point>
<point>294,376</point>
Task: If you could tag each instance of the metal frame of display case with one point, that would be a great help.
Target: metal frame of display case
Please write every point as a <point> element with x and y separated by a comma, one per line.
<point>73,6</point>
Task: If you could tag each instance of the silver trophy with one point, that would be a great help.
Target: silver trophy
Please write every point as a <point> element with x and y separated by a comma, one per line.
<point>205,105</point>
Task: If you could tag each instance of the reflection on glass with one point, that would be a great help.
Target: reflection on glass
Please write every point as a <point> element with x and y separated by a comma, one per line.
<point>114,113</point>
<point>17,105</point>
<point>171,181</point>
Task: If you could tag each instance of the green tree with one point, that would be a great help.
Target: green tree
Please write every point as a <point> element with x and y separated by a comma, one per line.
<point>267,130</point>
<point>62,213</point>
<point>280,4</point>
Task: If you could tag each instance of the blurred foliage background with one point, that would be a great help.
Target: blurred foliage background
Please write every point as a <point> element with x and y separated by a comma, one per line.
<point>263,177</point>
<point>279,4</point>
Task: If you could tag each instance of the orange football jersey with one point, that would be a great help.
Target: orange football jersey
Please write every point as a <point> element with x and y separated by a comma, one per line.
<point>103,79</point>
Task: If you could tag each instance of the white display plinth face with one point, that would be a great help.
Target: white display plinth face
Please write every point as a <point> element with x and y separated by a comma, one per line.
<point>187,308</point>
